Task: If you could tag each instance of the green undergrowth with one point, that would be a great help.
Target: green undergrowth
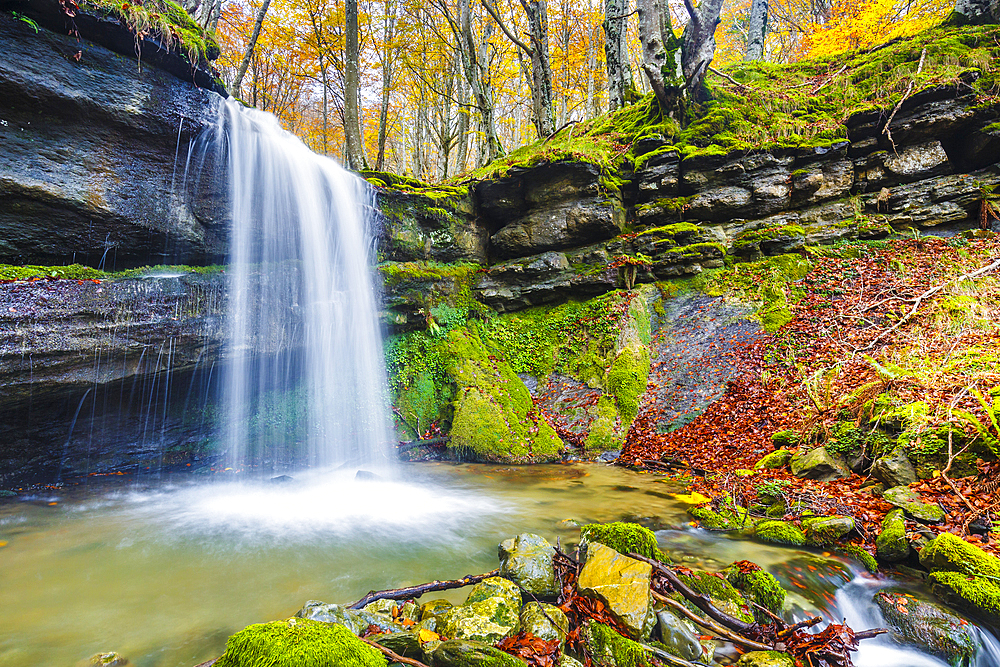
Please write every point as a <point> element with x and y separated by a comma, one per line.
<point>166,20</point>
<point>769,284</point>
<point>80,272</point>
<point>434,191</point>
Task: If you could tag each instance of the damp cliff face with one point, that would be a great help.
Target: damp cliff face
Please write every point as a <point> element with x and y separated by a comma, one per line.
<point>94,154</point>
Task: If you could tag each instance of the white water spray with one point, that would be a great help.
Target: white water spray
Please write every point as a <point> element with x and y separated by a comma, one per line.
<point>306,371</point>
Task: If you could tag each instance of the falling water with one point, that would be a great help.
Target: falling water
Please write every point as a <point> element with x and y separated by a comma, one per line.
<point>306,373</point>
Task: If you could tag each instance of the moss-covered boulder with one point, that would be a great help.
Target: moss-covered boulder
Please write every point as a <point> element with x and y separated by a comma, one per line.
<point>826,530</point>
<point>621,583</point>
<point>495,418</point>
<point>527,561</point>
<point>722,593</point>
<point>765,659</point>
<point>678,636</point>
<point>495,587</point>
<point>545,621</point>
<point>486,621</point>
<point>780,532</point>
<point>609,649</point>
<point>819,464</point>
<point>434,608</point>
<point>625,538</point>
<point>779,458</point>
<point>861,555</point>
<point>462,653</point>
<point>914,507</point>
<point>891,545</point>
<point>756,584</point>
<point>406,644</point>
<point>928,626</point>
<point>298,642</point>
<point>951,553</point>
<point>894,469</point>
<point>332,613</point>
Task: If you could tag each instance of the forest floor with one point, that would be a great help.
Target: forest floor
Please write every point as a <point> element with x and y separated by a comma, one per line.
<point>877,328</point>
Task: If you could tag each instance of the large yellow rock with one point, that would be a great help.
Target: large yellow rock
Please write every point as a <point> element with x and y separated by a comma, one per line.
<point>621,583</point>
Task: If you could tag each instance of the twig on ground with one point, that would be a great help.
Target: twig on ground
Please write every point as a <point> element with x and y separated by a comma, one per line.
<point>411,592</point>
<point>392,655</point>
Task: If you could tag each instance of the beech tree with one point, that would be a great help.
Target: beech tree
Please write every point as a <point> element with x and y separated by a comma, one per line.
<point>616,52</point>
<point>352,52</point>
<point>756,30</point>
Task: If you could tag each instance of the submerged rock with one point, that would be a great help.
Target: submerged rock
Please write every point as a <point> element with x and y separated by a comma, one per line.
<point>527,561</point>
<point>928,626</point>
<point>621,583</point>
<point>678,636</point>
<point>780,532</point>
<point>109,659</point>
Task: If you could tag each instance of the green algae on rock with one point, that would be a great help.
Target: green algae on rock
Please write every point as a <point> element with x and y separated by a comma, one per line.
<point>779,458</point>
<point>826,530</point>
<point>891,545</point>
<point>765,659</point>
<point>758,585</point>
<point>911,503</point>
<point>298,642</point>
<point>527,561</point>
<point>610,649</point>
<point>462,653</point>
<point>780,532</point>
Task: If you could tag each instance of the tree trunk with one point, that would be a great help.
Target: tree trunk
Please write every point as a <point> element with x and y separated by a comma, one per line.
<point>976,12</point>
<point>474,63</point>
<point>462,156</point>
<point>698,45</point>
<point>757,31</point>
<point>660,53</point>
<point>615,51</point>
<point>205,12</point>
<point>541,70</point>
<point>388,60</point>
<point>250,47</point>
<point>352,128</point>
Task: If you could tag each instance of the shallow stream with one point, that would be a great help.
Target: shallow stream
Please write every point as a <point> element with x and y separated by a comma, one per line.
<point>164,572</point>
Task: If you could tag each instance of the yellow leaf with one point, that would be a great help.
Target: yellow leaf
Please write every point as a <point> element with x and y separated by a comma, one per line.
<point>425,635</point>
<point>936,473</point>
<point>694,498</point>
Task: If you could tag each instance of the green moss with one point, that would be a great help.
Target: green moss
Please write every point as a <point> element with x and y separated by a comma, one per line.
<point>779,458</point>
<point>495,419</point>
<point>625,538</point>
<point>861,555</point>
<point>627,379</point>
<point>605,433</point>
<point>786,439</point>
<point>642,160</point>
<point>951,553</point>
<point>780,532</point>
<point>10,272</point>
<point>759,585</point>
<point>891,544</point>
<point>976,593</point>
<point>610,649</point>
<point>724,595</point>
<point>729,516</point>
<point>165,20</point>
<point>846,439</point>
<point>298,642</point>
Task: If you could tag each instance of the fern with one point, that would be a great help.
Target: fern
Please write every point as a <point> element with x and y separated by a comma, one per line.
<point>989,431</point>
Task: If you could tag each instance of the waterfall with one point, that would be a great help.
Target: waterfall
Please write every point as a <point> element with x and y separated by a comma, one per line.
<point>305,371</point>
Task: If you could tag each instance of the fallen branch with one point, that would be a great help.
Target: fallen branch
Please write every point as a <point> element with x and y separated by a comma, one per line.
<point>699,600</point>
<point>830,80</point>
<point>728,78</point>
<point>411,592</point>
<point>923,297</point>
<point>392,655</point>
<point>909,89</point>
<point>667,657</point>
<point>710,625</point>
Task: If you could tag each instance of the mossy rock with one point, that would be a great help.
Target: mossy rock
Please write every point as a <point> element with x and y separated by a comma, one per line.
<point>779,458</point>
<point>527,561</point>
<point>786,439</point>
<point>911,503</point>
<point>757,585</point>
<point>861,555</point>
<point>609,649</point>
<point>434,608</point>
<point>765,659</point>
<point>928,626</point>
<point>951,553</point>
<point>487,621</point>
<point>978,595</point>
<point>627,379</point>
<point>495,419</point>
<point>780,532</point>
<point>622,584</point>
<point>823,531</point>
<point>891,545</point>
<point>461,653</point>
<point>624,538</point>
<point>544,621</point>
<point>729,517</point>
<point>819,464</point>
<point>298,642</point>
<point>722,593</point>
<point>495,587</point>
<point>406,644</point>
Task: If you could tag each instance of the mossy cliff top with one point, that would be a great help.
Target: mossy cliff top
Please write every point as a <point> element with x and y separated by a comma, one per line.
<point>162,19</point>
<point>12,273</point>
<point>773,106</point>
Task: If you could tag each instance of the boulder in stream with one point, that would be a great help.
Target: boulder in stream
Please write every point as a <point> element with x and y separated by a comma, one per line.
<point>928,626</point>
<point>621,583</point>
<point>891,545</point>
<point>299,641</point>
<point>545,621</point>
<point>463,653</point>
<point>527,561</point>
<point>825,530</point>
